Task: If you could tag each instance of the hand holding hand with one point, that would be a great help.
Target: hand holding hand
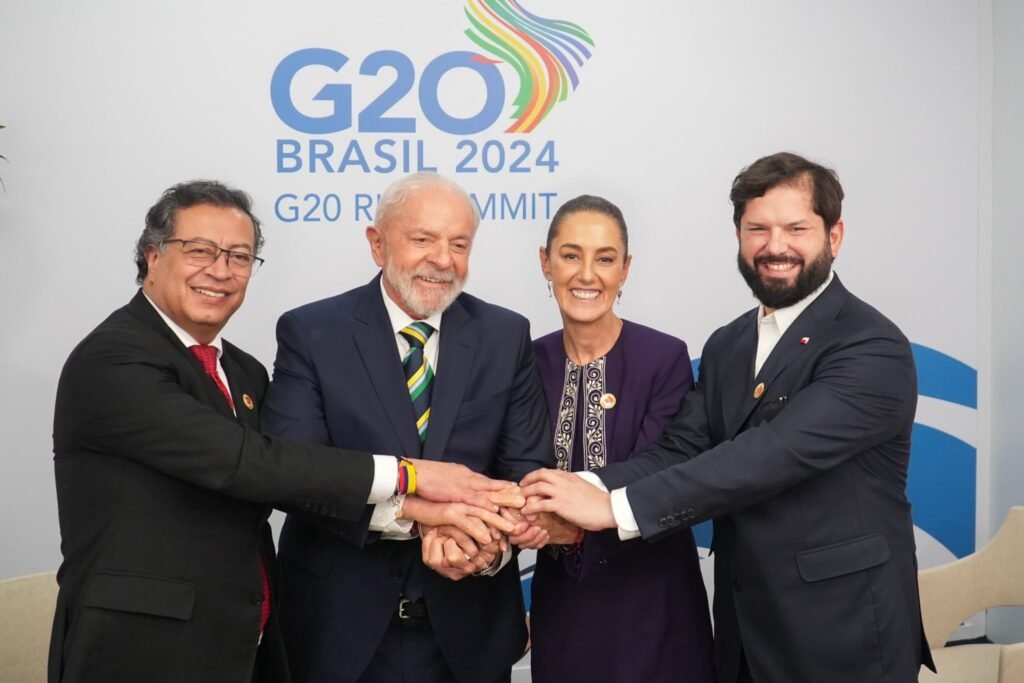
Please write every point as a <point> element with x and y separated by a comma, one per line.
<point>568,496</point>
<point>480,524</point>
<point>446,482</point>
<point>510,497</point>
<point>558,530</point>
<point>470,547</point>
<point>527,534</point>
<point>447,557</point>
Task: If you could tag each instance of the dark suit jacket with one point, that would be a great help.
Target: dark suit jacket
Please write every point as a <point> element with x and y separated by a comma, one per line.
<point>815,569</point>
<point>338,380</point>
<point>163,499</point>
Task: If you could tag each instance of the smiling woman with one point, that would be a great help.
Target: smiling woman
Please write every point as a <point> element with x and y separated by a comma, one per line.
<point>611,388</point>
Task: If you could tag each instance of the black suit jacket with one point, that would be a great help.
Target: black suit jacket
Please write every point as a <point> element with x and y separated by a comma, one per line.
<point>815,569</point>
<point>338,380</point>
<point>163,498</point>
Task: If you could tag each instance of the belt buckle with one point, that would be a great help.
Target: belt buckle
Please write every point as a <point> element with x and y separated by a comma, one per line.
<point>402,604</point>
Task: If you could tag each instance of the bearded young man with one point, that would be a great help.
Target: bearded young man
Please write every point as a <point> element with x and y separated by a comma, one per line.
<point>796,441</point>
<point>406,364</point>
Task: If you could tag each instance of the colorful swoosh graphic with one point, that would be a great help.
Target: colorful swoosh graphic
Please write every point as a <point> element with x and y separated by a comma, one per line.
<point>545,54</point>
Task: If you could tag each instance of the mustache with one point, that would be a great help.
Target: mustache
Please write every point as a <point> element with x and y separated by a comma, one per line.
<point>434,274</point>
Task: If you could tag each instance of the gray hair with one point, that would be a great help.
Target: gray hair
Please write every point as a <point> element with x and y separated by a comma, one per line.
<point>396,194</point>
<point>160,217</point>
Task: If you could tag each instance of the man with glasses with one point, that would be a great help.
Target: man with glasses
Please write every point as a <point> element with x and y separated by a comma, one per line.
<point>164,484</point>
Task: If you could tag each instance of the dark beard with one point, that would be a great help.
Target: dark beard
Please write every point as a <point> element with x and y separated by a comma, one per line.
<point>778,294</point>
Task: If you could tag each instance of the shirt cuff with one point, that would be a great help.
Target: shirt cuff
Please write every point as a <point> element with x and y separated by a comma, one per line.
<point>593,479</point>
<point>385,520</point>
<point>385,478</point>
<point>623,513</point>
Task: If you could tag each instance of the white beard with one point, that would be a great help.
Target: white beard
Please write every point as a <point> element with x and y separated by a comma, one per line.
<point>423,304</point>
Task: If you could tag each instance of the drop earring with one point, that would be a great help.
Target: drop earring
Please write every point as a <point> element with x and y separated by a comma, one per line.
<point>550,294</point>
<point>618,297</point>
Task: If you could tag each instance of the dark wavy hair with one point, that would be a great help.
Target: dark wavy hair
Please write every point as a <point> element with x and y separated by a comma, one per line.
<point>160,217</point>
<point>786,168</point>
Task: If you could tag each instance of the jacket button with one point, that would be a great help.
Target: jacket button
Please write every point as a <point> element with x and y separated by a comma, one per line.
<point>663,522</point>
<point>737,586</point>
<point>256,598</point>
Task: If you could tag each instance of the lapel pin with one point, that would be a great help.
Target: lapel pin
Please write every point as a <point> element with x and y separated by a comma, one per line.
<point>804,340</point>
<point>759,390</point>
<point>607,401</point>
<point>247,400</point>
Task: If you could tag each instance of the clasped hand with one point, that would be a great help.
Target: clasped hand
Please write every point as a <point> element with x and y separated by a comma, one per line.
<point>467,520</point>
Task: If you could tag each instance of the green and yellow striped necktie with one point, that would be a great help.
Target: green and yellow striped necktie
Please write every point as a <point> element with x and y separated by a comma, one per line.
<point>418,376</point>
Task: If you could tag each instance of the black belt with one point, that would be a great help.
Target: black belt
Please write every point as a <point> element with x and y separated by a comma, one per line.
<point>412,609</point>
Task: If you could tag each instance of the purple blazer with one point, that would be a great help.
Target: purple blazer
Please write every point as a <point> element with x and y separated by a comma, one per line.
<point>623,611</point>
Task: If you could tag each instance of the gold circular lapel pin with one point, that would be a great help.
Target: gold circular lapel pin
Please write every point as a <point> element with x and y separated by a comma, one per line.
<point>759,390</point>
<point>247,400</point>
<point>607,401</point>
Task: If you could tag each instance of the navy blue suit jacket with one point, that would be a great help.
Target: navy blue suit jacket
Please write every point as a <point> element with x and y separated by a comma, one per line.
<point>815,569</point>
<point>338,380</point>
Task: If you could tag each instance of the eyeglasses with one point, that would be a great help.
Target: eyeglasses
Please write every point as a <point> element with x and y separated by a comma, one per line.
<point>205,254</point>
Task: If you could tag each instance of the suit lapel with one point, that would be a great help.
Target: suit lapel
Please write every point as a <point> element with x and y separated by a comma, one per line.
<point>378,351</point>
<point>144,311</point>
<point>790,349</point>
<point>242,393</point>
<point>459,337</point>
<point>737,373</point>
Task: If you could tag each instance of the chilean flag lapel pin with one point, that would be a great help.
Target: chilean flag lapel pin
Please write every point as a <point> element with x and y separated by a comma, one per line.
<point>805,340</point>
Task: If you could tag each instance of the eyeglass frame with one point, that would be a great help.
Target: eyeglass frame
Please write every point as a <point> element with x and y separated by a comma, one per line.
<point>254,265</point>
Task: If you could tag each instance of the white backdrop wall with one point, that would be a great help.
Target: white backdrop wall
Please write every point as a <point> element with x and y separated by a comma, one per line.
<point>107,103</point>
<point>1006,280</point>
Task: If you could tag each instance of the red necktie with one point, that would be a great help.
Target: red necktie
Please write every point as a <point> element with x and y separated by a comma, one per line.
<point>207,357</point>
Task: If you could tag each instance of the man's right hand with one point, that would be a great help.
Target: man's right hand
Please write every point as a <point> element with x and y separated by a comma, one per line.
<point>444,555</point>
<point>447,482</point>
<point>570,497</point>
<point>481,524</point>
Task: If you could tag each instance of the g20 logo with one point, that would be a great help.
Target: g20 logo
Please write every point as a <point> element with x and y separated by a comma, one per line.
<point>545,55</point>
<point>374,118</point>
